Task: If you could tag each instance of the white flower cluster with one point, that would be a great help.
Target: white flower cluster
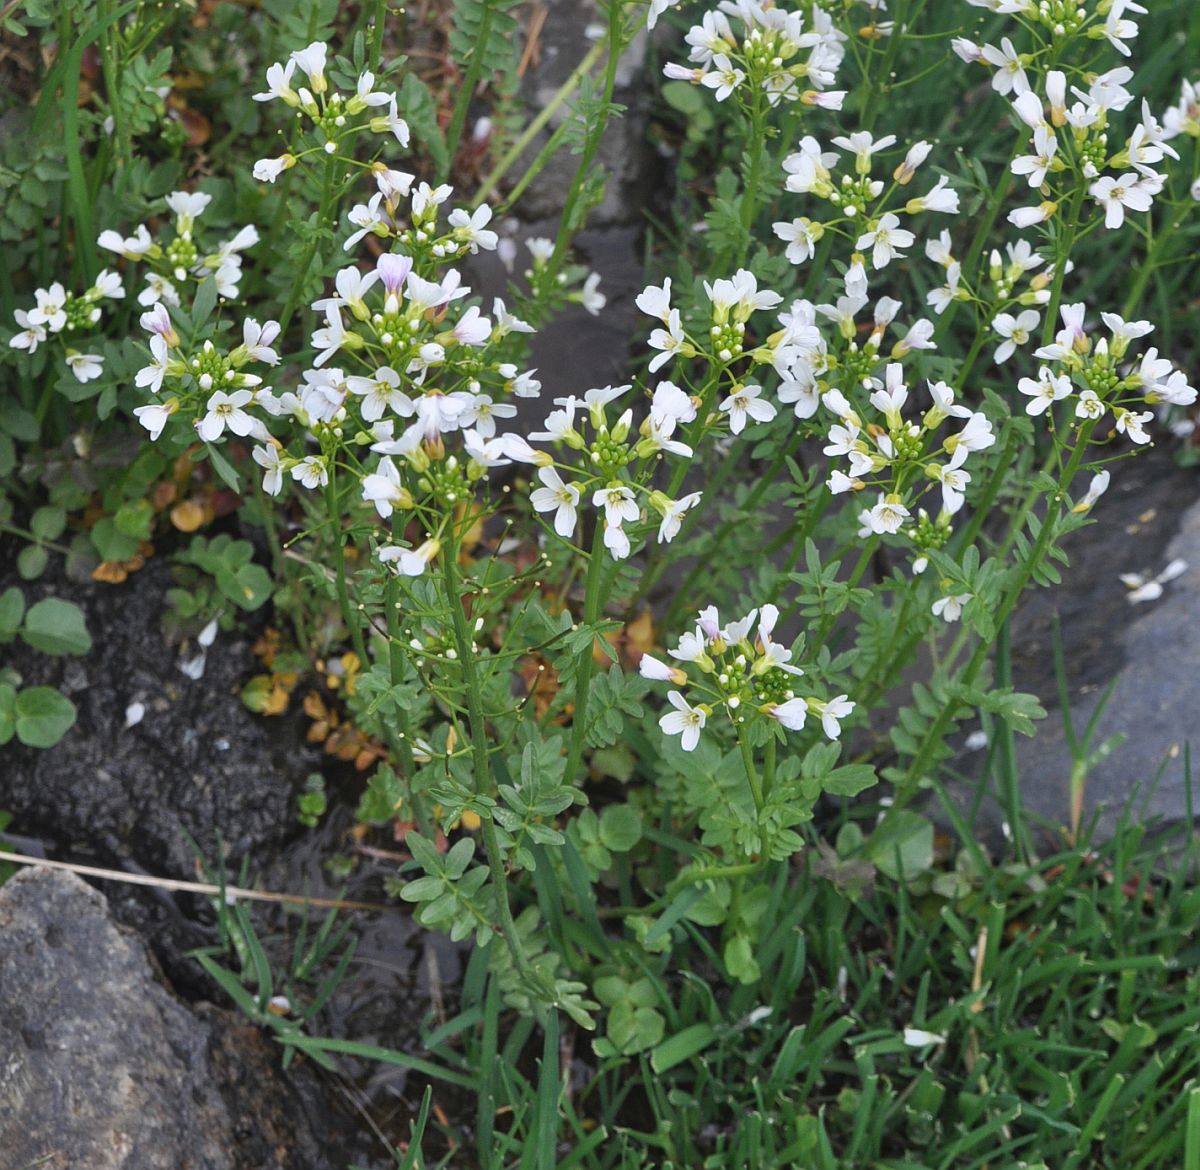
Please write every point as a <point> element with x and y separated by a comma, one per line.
<point>773,53</point>
<point>617,464</point>
<point>1184,118</point>
<point>174,262</point>
<point>742,670</point>
<point>208,384</point>
<point>893,454</point>
<point>860,201</point>
<point>58,313</point>
<point>1100,376</point>
<point>334,116</point>
<point>1071,137</point>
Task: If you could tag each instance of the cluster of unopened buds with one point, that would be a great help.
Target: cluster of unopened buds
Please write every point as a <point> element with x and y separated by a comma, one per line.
<point>175,262</point>
<point>773,53</point>
<point>740,669</point>
<point>334,118</point>
<point>62,315</point>
<point>617,465</point>
<point>860,201</point>
<point>1098,376</point>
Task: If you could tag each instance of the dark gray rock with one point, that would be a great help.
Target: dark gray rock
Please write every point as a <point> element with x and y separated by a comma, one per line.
<point>1147,518</point>
<point>1152,650</point>
<point>562,43</point>
<point>197,764</point>
<point>101,1068</point>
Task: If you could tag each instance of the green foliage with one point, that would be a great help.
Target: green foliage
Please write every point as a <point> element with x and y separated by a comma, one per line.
<point>227,561</point>
<point>38,716</point>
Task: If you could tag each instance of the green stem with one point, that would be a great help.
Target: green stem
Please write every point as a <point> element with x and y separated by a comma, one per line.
<point>534,128</point>
<point>586,664</point>
<point>328,199</point>
<point>481,766</point>
<point>350,616</point>
<point>1145,270</point>
<point>566,223</point>
<point>467,88</point>
<point>971,671</point>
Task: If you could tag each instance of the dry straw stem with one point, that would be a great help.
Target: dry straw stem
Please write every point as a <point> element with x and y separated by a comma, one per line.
<point>138,879</point>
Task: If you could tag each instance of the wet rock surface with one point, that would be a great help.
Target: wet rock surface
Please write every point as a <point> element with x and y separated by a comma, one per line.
<point>103,1069</point>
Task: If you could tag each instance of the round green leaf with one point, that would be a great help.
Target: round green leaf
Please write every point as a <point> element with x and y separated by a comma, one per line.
<point>48,522</point>
<point>32,561</point>
<point>12,610</point>
<point>43,716</point>
<point>8,712</point>
<point>55,626</point>
<point>620,827</point>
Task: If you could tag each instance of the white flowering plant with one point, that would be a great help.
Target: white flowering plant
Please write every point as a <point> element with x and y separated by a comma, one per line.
<point>870,393</point>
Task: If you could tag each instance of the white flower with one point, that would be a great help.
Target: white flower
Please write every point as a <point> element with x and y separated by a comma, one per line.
<point>267,170</point>
<point>257,339</point>
<point>838,708</point>
<point>85,366</point>
<point>670,341</point>
<point>154,417</point>
<point>652,668</point>
<point>469,228</point>
<point>616,541</point>
<point>950,608</point>
<point>685,721</point>
<point>791,714</point>
<point>225,410</point>
<point>411,562</point>
<point>1016,331</point>
<point>886,240</point>
<point>1048,388</point>
<point>561,498</point>
<point>279,79</point>
<point>158,288</point>
<point>888,515</point>
<point>940,197</point>
<point>919,1038</point>
<point>801,237</point>
<point>151,376</point>
<point>187,205</point>
<point>1010,75</point>
<point>384,489</point>
<point>312,62</point>
<point>1133,424</point>
<point>655,301</point>
<point>723,77</point>
<point>50,310</point>
<point>158,321</point>
<point>31,334</point>
<point>366,93</point>
<point>590,296</point>
<point>131,247</point>
<point>1096,489</point>
<point>392,123</point>
<point>329,340</point>
<point>672,516</point>
<point>745,403</point>
<point>311,471</point>
<point>481,413</point>
<point>618,503</point>
<point>1115,195</point>
<point>366,217</point>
